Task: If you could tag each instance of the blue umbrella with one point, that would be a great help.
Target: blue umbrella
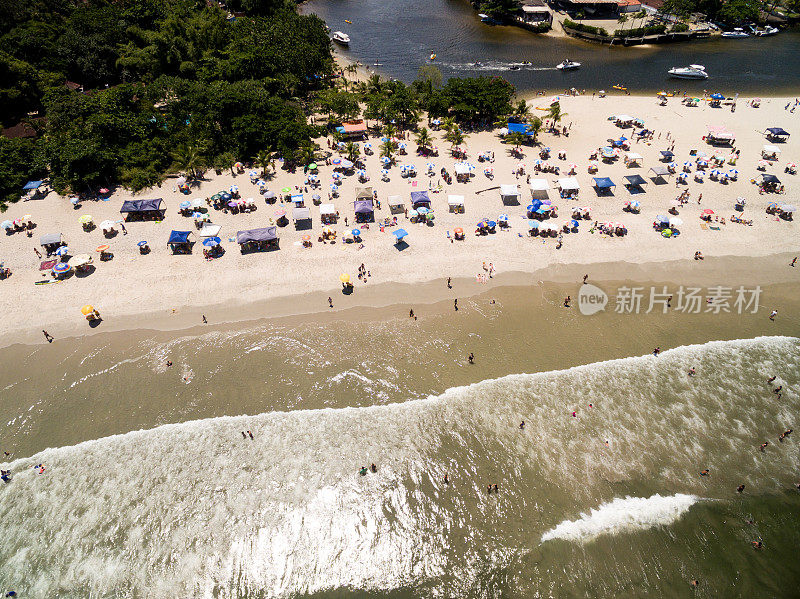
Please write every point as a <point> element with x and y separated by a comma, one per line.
<point>185,204</point>
<point>142,244</point>
<point>503,218</point>
<point>662,219</point>
<point>717,96</point>
<point>226,196</point>
<point>61,267</point>
<point>356,232</point>
<point>197,215</point>
<point>541,210</point>
<point>385,160</point>
<point>574,223</point>
<point>491,224</point>
<point>533,224</point>
<point>7,224</point>
<point>62,251</point>
<point>211,242</point>
<point>422,210</point>
<point>400,233</point>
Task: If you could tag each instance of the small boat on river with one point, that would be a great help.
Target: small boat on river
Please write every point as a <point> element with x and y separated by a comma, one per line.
<point>341,38</point>
<point>693,71</point>
<point>568,65</point>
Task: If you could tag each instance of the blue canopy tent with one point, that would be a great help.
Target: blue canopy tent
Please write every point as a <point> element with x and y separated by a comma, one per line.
<point>519,128</point>
<point>777,134</point>
<point>635,180</point>
<point>400,234</point>
<point>604,184</point>
<point>179,242</point>
<point>667,155</point>
<point>420,198</point>
<point>144,208</point>
<point>32,185</point>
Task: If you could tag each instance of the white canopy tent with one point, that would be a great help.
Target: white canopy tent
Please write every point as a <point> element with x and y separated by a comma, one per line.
<point>769,150</point>
<point>210,230</point>
<point>462,168</point>
<point>509,194</point>
<point>455,203</point>
<point>327,209</point>
<point>568,184</point>
<point>631,158</point>
<point>539,188</point>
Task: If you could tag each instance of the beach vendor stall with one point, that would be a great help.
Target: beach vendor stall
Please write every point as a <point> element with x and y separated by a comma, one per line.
<point>257,240</point>
<point>364,211</point>
<point>509,194</point>
<point>143,209</point>
<point>569,187</point>
<point>455,203</point>
<point>634,183</point>
<point>624,121</point>
<point>328,214</point>
<point>769,152</point>
<point>632,159</point>
<point>777,134</point>
<point>719,136</point>
<point>539,189</point>
<point>180,242</point>
<point>604,185</point>
<point>659,172</point>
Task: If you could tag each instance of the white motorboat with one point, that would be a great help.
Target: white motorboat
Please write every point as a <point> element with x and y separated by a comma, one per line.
<point>568,65</point>
<point>340,38</point>
<point>768,30</point>
<point>736,33</point>
<point>693,71</point>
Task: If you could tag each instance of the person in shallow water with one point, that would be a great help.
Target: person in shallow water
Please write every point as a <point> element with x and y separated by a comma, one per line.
<point>704,472</point>
<point>374,468</point>
<point>740,488</point>
<point>363,471</point>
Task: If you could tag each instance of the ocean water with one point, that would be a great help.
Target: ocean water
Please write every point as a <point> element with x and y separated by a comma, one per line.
<point>194,509</point>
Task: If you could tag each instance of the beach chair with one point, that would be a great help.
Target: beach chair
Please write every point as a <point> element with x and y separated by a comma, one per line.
<point>704,226</point>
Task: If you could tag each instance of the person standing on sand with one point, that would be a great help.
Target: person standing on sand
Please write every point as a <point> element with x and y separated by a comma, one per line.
<point>794,261</point>
<point>455,304</point>
<point>330,301</point>
<point>585,278</point>
<point>47,336</point>
<point>38,254</point>
<point>772,315</point>
<point>411,313</point>
<point>449,286</point>
<point>471,358</point>
<point>204,319</point>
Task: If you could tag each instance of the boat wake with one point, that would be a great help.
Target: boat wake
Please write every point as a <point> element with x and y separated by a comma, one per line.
<point>495,66</point>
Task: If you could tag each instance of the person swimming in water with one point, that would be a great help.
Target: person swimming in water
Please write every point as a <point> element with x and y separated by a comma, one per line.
<point>772,378</point>
<point>704,472</point>
<point>740,488</point>
<point>522,424</point>
<point>446,480</point>
<point>692,371</point>
<point>757,544</point>
<point>764,445</point>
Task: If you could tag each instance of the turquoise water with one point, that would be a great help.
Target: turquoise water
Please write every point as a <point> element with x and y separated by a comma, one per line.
<point>195,509</point>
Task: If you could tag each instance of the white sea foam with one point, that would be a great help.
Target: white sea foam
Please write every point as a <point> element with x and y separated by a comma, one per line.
<point>623,515</point>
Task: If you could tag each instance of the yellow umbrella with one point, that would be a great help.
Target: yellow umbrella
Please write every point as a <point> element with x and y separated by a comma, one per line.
<point>344,278</point>
<point>85,219</point>
<point>87,309</point>
<point>327,230</point>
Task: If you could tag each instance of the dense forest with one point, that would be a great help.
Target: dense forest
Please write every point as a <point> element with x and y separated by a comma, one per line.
<point>161,82</point>
<point>120,92</point>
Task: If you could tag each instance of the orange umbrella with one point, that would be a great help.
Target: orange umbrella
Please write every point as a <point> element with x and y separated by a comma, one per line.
<point>87,309</point>
<point>306,237</point>
<point>103,248</point>
<point>458,230</point>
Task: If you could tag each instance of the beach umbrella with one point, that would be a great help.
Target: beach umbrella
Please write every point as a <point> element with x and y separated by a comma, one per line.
<point>336,176</point>
<point>254,174</point>
<point>431,166</point>
<point>212,242</point>
<point>574,224</point>
<point>85,219</point>
<point>635,204</point>
<point>306,238</point>
<point>385,160</point>
<point>368,145</point>
<point>541,210</point>
<point>347,164</point>
<point>180,180</point>
<point>503,218</point>
<point>62,251</point>
<point>269,195</point>
<point>344,278</point>
<point>413,212</point>
<point>87,309</point>
<point>402,146</point>
<point>491,224</point>
<point>675,222</point>
<point>717,96</point>
<point>142,243</point>
<point>328,230</point>
<point>233,189</point>
<point>662,219</point>
<point>315,197</point>
<point>400,233</point>
<point>708,211</point>
<point>787,208</point>
<point>7,224</point>
<point>384,139</point>
<point>533,224</point>
<point>200,214</point>
<point>280,213</point>
<point>356,232</point>
<point>102,248</point>
<point>336,161</point>
<point>422,210</point>
<point>573,166</point>
<point>61,268</point>
<point>384,171</point>
<point>107,224</point>
<point>238,165</point>
<point>312,166</point>
<point>687,164</point>
<point>261,183</point>
<point>733,173</point>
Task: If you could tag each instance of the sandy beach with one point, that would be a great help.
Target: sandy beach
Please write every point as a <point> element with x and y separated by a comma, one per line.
<point>162,285</point>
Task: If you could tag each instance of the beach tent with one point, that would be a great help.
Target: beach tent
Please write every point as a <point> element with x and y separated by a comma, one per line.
<point>603,183</point>
<point>455,203</point>
<point>395,203</point>
<point>635,180</point>
<point>719,136</point>
<point>568,184</point>
<point>32,185</point>
<point>659,171</point>
<point>300,214</point>
<point>768,151</point>
<point>51,241</point>
<point>777,134</point>
<point>462,168</point>
<point>766,178</point>
<point>623,120</point>
<point>400,235</point>
<point>363,209</point>
<point>667,155</point>
<point>539,188</point>
<point>352,129</point>
<point>327,210</point>
<point>209,230</point>
<point>364,193</point>
<point>257,239</point>
<point>509,194</point>
<point>631,158</point>
<point>179,237</point>
<point>420,198</point>
<point>143,208</point>
<point>518,128</point>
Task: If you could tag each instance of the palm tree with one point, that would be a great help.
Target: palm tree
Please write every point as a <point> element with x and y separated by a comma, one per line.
<point>423,138</point>
<point>389,130</point>
<point>264,159</point>
<point>522,111</point>
<point>448,124</point>
<point>555,113</point>
<point>388,148</point>
<point>352,151</point>
<point>455,136</point>
<point>517,139</point>
<point>189,158</point>
<point>622,19</point>
<point>534,127</point>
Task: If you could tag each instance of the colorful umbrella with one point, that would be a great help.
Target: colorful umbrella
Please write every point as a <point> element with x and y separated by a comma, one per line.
<point>87,309</point>
<point>102,248</point>
<point>62,251</point>
<point>85,219</point>
<point>61,268</point>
